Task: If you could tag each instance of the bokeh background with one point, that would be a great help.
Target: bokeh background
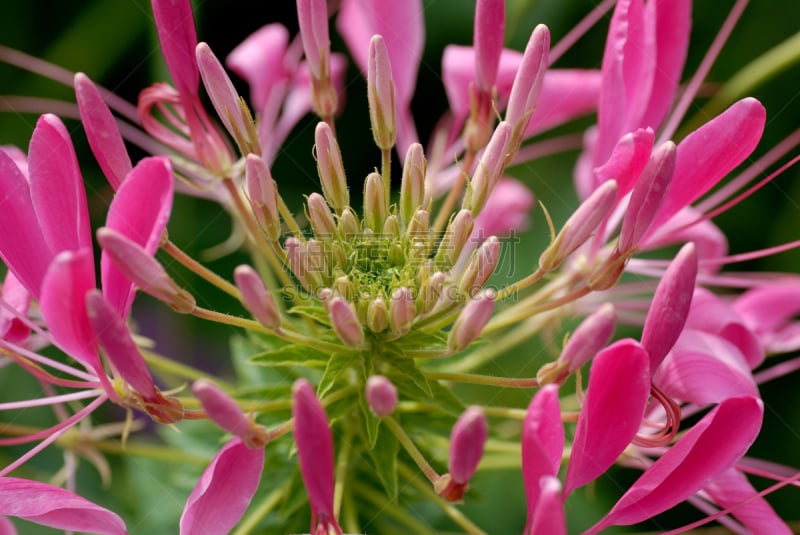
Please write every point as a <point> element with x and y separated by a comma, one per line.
<point>114,42</point>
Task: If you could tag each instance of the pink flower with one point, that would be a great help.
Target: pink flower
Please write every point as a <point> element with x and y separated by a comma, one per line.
<point>55,507</point>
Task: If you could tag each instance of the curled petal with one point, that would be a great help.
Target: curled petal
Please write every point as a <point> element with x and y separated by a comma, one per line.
<point>259,60</point>
<point>15,295</point>
<point>224,491</point>
<point>769,311</point>
<point>55,507</point>
<point>710,447</point>
<point>627,161</point>
<point>176,32</point>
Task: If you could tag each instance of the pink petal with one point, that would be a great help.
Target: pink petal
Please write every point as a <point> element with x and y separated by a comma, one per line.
<point>488,38</point>
<point>400,24</point>
<point>102,131</point>
<point>565,95</point>
<point>542,443</point>
<point>769,312</point>
<point>619,386</point>
<point>119,347</point>
<point>627,65</point>
<point>178,38</point>
<point>672,28</point>
<point>711,152</point>
<point>55,507</point>
<point>63,304</point>
<point>627,161</point>
<point>139,211</point>
<point>706,450</point>
<point>709,241</point>
<point>731,488</point>
<point>7,527</point>
<point>57,187</point>
<point>703,368</point>
<point>259,60</point>
<point>22,245</point>
<point>548,517</point>
<point>15,295</point>
<point>224,491</point>
<point>712,315</point>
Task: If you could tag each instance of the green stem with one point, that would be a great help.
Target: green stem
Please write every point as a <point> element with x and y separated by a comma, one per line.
<point>386,174</point>
<point>489,380</point>
<point>199,269</point>
<point>254,517</point>
<point>385,506</point>
<point>411,449</point>
<point>521,310</point>
<point>150,451</point>
<point>448,508</point>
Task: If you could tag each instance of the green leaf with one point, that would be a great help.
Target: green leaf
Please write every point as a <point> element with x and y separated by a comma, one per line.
<point>384,456</point>
<point>408,368</point>
<point>337,364</point>
<point>421,341</point>
<point>371,422</point>
<point>290,355</point>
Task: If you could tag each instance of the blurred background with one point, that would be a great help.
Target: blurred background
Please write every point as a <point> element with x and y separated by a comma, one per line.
<point>114,42</point>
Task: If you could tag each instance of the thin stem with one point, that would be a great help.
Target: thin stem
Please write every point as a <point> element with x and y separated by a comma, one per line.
<point>289,219</point>
<point>161,453</point>
<point>196,267</point>
<point>385,506</point>
<point>448,508</point>
<point>452,197</point>
<point>489,380</point>
<point>521,284</point>
<point>386,173</point>
<point>411,449</point>
<point>512,315</point>
<point>254,517</point>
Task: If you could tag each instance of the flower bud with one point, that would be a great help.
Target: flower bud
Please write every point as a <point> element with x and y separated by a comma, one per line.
<point>230,107</point>
<point>349,225</point>
<point>345,322</point>
<point>528,84</point>
<point>144,270</point>
<point>377,315</point>
<point>419,227</point>
<point>256,297</point>
<point>320,217</point>
<point>580,226</point>
<point>312,16</point>
<point>314,440</point>
<point>467,441</point>
<point>412,185</point>
<point>589,338</point>
<point>381,396</point>
<point>223,411</point>
<point>263,196</point>
<point>380,93</point>
<point>330,168</point>
<point>647,195</point>
<point>429,292</point>
<point>391,227</point>
<point>471,321</point>
<point>374,202</point>
<point>489,169</point>
<point>488,39</point>
<point>480,267</point>
<point>345,288</point>
<point>401,311</point>
<point>670,306</point>
<point>456,235</point>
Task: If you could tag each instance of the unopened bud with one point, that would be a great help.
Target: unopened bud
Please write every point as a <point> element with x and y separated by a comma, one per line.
<point>330,168</point>
<point>412,185</point>
<point>430,292</point>
<point>647,195</point>
<point>467,441</point>
<point>320,217</point>
<point>348,224</point>
<point>380,92</point>
<point>456,235</point>
<point>589,338</point>
<point>345,322</point>
<point>312,17</point>
<point>256,297</point>
<point>401,311</point>
<point>489,169</point>
<point>377,315</point>
<point>480,267</point>
<point>223,411</point>
<point>345,288</point>
<point>263,196</point>
<point>489,23</point>
<point>419,227</point>
<point>144,270</point>
<point>471,321</point>
<point>670,306</point>
<point>374,202</point>
<point>230,107</point>
<point>381,395</point>
<point>580,226</point>
<point>528,84</point>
